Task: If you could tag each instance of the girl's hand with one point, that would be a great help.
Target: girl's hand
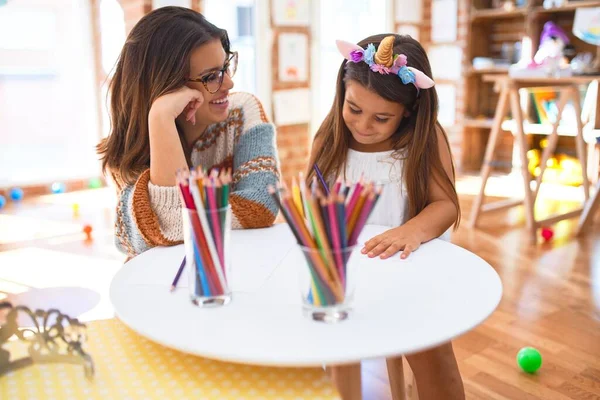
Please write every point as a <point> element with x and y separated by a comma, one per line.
<point>390,242</point>
<point>173,104</point>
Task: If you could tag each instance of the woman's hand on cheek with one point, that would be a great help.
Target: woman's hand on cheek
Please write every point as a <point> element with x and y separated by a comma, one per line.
<point>190,111</point>
<point>183,100</point>
<point>392,241</point>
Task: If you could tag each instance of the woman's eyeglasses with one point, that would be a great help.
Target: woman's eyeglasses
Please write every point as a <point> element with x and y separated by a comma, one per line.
<point>213,80</point>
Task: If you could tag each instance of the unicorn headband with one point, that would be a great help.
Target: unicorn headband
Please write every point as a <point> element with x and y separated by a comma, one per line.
<point>385,61</point>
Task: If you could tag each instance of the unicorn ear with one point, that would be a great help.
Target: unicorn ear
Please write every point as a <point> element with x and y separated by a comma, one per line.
<point>346,48</point>
<point>422,81</point>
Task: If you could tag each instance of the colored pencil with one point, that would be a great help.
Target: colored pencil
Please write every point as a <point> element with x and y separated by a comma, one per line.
<point>326,225</point>
<point>204,197</point>
<point>321,178</point>
<point>179,271</point>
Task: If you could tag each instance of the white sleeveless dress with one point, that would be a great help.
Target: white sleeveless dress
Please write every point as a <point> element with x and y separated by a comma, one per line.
<point>380,167</point>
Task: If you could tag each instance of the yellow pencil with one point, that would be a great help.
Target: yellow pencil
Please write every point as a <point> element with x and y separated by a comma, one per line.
<point>297,197</point>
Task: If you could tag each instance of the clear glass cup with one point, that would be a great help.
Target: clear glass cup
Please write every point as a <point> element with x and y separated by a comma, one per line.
<point>206,237</point>
<point>327,283</point>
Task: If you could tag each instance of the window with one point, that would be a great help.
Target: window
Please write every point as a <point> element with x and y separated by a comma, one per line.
<point>48,118</point>
<point>238,18</point>
<point>354,20</point>
<point>112,28</point>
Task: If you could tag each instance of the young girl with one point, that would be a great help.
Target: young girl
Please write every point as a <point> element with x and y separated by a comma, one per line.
<point>383,127</point>
<point>171,109</point>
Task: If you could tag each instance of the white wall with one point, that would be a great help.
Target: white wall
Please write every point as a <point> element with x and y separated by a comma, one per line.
<point>162,3</point>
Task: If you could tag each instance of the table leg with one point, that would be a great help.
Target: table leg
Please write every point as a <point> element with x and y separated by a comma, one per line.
<point>552,141</point>
<point>402,380</point>
<point>347,380</point>
<point>486,169</point>
<point>522,144</point>
<point>589,210</point>
<point>580,142</point>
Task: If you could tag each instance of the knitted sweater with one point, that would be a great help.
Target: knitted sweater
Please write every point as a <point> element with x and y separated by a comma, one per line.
<point>149,215</point>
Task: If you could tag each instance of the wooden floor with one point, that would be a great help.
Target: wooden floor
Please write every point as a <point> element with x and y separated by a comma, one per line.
<point>551,293</point>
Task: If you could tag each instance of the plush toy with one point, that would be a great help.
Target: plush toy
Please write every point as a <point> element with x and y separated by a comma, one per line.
<point>552,45</point>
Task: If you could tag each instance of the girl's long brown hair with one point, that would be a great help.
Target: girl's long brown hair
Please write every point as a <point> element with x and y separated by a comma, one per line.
<point>416,138</point>
<point>155,60</point>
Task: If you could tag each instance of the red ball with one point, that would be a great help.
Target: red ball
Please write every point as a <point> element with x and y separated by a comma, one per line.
<point>87,229</point>
<point>547,233</point>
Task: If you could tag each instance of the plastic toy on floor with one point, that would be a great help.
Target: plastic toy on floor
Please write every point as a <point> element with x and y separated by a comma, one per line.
<point>16,194</point>
<point>58,187</point>
<point>547,234</point>
<point>87,229</point>
<point>2,202</point>
<point>95,183</point>
<point>529,359</point>
<point>75,207</point>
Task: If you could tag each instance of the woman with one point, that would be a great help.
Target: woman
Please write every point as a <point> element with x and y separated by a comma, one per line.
<point>171,108</point>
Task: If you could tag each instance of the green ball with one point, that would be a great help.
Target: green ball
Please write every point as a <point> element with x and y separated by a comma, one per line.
<point>529,359</point>
<point>95,183</point>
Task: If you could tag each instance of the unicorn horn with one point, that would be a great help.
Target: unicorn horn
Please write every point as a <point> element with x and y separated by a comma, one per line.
<point>385,52</point>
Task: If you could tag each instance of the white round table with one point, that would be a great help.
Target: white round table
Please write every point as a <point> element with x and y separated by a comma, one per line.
<point>401,306</point>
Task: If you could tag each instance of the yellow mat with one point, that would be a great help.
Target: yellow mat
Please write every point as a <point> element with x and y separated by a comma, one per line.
<point>129,366</point>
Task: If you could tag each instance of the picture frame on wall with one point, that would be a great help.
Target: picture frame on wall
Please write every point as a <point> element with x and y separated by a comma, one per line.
<point>290,12</point>
<point>293,57</point>
<point>291,107</point>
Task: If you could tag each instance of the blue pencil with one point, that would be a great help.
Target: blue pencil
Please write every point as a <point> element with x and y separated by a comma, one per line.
<point>200,267</point>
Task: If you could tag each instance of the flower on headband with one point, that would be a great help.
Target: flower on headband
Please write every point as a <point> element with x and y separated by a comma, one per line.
<point>406,75</point>
<point>357,56</point>
<point>369,54</point>
<point>382,69</point>
<point>400,60</point>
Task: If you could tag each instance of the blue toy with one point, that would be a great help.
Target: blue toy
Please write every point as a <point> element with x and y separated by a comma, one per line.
<point>16,194</point>
<point>2,201</point>
<point>58,187</point>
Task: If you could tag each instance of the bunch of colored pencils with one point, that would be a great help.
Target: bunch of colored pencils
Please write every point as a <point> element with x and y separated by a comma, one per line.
<point>329,226</point>
<point>205,199</point>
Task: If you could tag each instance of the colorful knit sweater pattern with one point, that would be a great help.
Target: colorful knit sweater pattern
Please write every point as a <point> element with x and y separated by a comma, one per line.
<point>150,215</point>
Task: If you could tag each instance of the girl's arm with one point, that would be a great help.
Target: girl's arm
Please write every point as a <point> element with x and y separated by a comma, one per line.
<point>435,219</point>
<point>440,212</point>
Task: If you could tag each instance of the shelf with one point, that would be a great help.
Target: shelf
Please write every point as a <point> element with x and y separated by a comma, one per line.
<point>494,13</point>
<point>485,123</point>
<point>540,129</point>
<point>481,71</point>
<point>571,6</point>
<point>530,129</point>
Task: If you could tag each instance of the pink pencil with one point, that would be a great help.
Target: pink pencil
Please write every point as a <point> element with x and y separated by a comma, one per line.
<point>337,186</point>
<point>352,203</point>
<point>212,201</point>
